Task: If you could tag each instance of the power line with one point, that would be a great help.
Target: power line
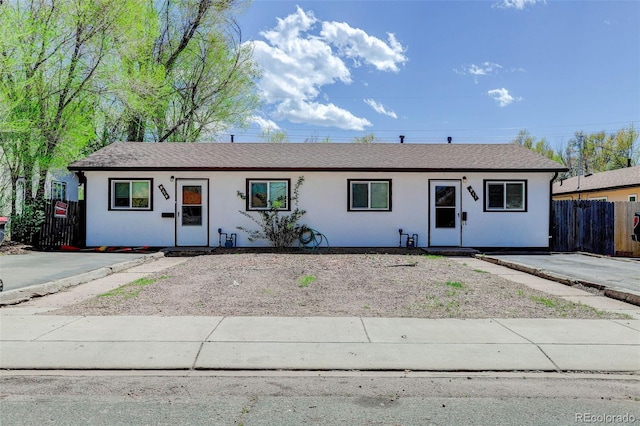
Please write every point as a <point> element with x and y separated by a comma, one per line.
<point>428,135</point>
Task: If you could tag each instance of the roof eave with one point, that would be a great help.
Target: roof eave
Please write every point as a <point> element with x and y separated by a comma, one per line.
<point>608,188</point>
<point>321,169</point>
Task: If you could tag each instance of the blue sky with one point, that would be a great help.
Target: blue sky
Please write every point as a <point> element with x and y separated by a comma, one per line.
<point>478,71</point>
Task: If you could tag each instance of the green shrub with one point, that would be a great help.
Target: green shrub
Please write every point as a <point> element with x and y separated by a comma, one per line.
<point>280,228</point>
<point>25,225</point>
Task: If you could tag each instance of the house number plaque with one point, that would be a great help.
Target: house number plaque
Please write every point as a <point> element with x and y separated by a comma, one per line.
<point>164,191</point>
<point>473,193</point>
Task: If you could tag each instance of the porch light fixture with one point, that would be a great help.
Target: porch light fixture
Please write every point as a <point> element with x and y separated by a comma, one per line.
<point>171,178</point>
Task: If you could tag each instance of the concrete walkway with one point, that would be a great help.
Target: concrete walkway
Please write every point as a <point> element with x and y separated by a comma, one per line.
<point>52,342</point>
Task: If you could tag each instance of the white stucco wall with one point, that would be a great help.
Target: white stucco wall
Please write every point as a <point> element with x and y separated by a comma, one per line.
<point>324,196</point>
<point>507,229</point>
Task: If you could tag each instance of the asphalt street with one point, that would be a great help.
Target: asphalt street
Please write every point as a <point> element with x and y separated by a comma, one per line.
<point>317,398</point>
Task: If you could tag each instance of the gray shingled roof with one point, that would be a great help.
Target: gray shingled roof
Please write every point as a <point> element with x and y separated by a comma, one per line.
<point>629,176</point>
<point>315,156</point>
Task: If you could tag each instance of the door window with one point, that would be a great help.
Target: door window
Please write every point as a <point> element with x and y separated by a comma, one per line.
<point>192,205</point>
<point>445,207</point>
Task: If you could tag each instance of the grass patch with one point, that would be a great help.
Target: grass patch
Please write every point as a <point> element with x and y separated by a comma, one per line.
<point>564,308</point>
<point>480,271</point>
<point>305,281</point>
<point>429,302</point>
<point>433,256</point>
<point>452,308</point>
<point>549,303</point>
<point>131,290</point>
<point>454,284</point>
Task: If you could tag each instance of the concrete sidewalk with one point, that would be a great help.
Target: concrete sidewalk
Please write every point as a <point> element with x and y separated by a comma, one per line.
<point>51,342</point>
<point>277,343</point>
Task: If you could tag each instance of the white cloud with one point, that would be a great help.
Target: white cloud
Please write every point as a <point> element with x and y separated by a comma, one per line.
<point>356,44</point>
<point>516,4</point>
<point>318,114</point>
<point>297,62</point>
<point>379,108</point>
<point>502,96</point>
<point>264,123</point>
<point>484,69</point>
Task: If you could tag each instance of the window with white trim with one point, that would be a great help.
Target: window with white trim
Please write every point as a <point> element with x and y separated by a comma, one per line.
<point>130,194</point>
<point>505,196</point>
<point>58,190</point>
<point>264,194</point>
<point>369,195</point>
<point>633,198</point>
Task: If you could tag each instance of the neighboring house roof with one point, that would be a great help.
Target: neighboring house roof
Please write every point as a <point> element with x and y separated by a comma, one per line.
<point>316,156</point>
<point>620,178</point>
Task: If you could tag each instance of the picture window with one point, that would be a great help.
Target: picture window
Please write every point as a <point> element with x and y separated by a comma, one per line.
<point>264,194</point>
<point>505,195</point>
<point>130,194</point>
<point>369,195</point>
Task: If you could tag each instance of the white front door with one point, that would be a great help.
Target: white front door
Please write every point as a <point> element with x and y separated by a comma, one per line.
<point>444,213</point>
<point>192,212</point>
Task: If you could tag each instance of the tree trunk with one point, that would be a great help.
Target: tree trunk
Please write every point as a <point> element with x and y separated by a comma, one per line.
<point>135,129</point>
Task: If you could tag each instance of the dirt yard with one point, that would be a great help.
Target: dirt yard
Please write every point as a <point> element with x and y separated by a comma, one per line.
<point>8,247</point>
<point>367,285</point>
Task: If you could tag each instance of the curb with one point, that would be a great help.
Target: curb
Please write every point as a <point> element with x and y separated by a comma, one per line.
<point>623,295</point>
<point>13,297</point>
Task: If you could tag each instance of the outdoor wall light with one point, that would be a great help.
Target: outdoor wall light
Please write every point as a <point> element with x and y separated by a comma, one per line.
<point>171,178</point>
<point>464,178</point>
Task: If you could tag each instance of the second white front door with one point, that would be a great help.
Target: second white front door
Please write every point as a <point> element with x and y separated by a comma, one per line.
<point>192,212</point>
<point>444,213</point>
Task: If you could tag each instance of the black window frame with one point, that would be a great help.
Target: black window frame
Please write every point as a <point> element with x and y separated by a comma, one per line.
<point>350,207</point>
<point>113,181</point>
<point>249,207</point>
<point>504,182</point>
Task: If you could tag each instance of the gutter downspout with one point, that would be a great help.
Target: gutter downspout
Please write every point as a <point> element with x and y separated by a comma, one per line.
<point>82,179</point>
<point>551,224</point>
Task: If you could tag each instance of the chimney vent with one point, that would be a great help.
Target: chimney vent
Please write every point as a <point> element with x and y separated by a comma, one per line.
<point>401,138</point>
<point>232,138</point>
<point>449,139</point>
<point>628,162</point>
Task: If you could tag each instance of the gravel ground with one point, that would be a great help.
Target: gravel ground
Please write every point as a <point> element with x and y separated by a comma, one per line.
<point>8,247</point>
<point>366,285</point>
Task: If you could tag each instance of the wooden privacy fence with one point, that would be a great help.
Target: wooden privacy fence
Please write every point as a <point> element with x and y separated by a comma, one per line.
<point>62,225</point>
<point>623,227</point>
<point>594,227</point>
